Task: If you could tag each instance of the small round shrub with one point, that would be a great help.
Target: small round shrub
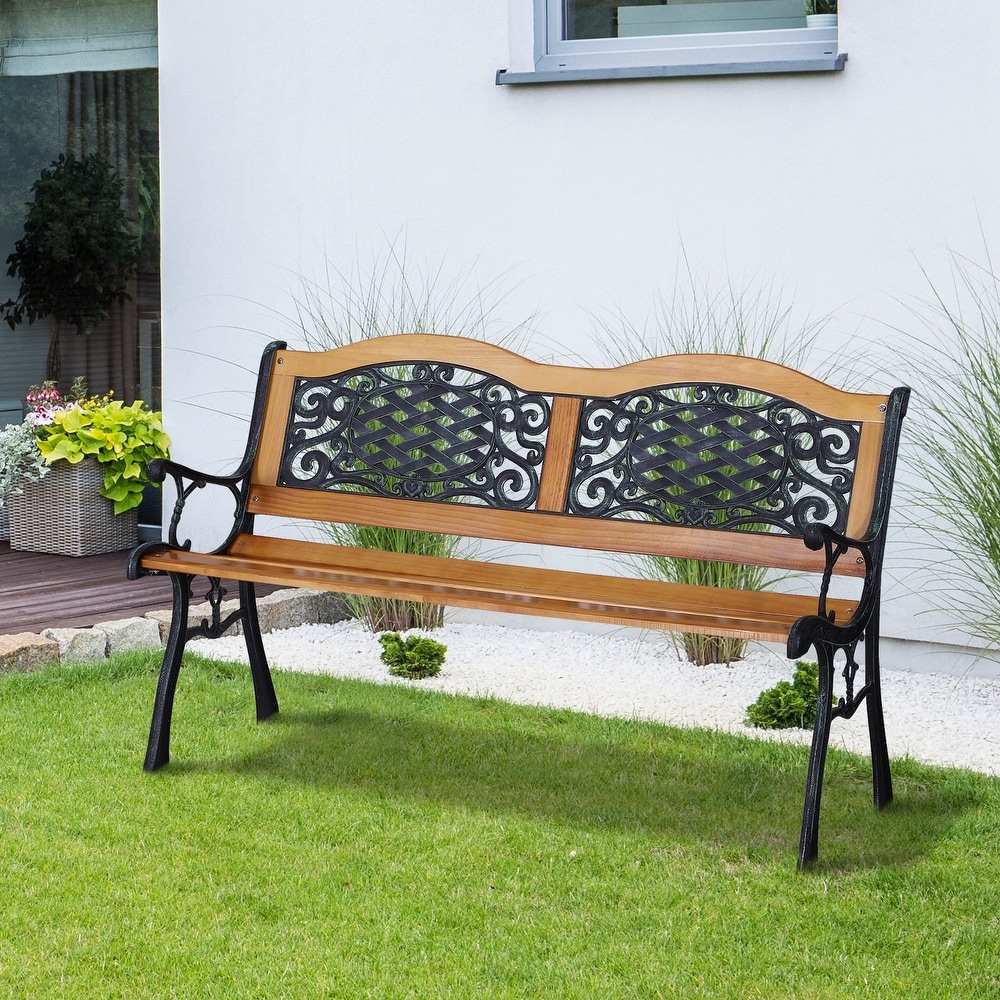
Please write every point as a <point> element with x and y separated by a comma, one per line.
<point>788,705</point>
<point>415,656</point>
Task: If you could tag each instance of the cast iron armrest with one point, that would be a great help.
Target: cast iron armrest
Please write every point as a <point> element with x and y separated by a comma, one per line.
<point>186,481</point>
<point>822,626</point>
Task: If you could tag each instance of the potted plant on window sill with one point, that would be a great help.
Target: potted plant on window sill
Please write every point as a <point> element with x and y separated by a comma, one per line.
<point>96,450</point>
<point>821,13</point>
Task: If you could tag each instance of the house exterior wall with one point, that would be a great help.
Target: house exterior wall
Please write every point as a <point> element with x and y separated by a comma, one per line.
<point>326,131</point>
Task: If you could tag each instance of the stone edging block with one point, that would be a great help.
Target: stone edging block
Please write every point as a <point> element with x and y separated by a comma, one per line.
<point>78,645</point>
<point>25,650</point>
<point>280,610</point>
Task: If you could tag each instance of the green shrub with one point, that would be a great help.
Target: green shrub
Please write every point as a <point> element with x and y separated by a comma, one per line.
<point>788,705</point>
<point>415,656</point>
<point>79,249</point>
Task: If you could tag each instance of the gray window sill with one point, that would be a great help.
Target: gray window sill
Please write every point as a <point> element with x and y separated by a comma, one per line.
<point>831,64</point>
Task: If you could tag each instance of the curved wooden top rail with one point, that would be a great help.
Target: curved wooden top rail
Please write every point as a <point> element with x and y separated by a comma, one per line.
<point>536,376</point>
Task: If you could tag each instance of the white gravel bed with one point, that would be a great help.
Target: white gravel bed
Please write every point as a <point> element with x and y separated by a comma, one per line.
<point>935,718</point>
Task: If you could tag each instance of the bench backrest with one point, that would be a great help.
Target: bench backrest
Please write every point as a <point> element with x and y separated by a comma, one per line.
<point>705,456</point>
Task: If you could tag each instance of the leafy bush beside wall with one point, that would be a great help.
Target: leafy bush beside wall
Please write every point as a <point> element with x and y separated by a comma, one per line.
<point>78,252</point>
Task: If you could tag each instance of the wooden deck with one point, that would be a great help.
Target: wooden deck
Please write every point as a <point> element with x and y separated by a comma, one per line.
<point>39,591</point>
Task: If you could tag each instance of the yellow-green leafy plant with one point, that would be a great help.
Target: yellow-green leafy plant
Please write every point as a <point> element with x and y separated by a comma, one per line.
<point>124,438</point>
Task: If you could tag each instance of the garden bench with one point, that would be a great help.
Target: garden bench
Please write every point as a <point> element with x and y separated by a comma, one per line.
<point>709,457</point>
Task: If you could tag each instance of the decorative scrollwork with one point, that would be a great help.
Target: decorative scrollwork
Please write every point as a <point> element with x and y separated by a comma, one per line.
<point>216,626</point>
<point>419,431</point>
<point>713,456</point>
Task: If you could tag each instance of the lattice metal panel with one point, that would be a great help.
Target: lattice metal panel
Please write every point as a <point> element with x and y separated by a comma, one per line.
<point>419,431</point>
<point>713,456</point>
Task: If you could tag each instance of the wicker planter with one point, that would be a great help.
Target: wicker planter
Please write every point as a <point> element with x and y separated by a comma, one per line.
<point>4,524</point>
<point>64,515</point>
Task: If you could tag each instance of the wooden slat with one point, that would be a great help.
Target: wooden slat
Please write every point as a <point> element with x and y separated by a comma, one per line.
<point>865,479</point>
<point>560,444</point>
<point>279,401</point>
<point>545,528</point>
<point>496,587</point>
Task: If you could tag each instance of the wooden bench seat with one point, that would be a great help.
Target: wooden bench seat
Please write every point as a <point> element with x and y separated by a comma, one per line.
<point>615,600</point>
<point>707,457</point>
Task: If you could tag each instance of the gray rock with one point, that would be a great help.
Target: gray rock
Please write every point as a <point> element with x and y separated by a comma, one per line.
<point>79,645</point>
<point>196,614</point>
<point>332,607</point>
<point>26,650</point>
<point>130,633</point>
<point>283,609</point>
<point>287,609</point>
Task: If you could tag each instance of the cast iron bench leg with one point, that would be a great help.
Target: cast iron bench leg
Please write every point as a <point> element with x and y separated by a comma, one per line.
<point>158,748</point>
<point>263,687</point>
<point>809,841</point>
<point>881,776</point>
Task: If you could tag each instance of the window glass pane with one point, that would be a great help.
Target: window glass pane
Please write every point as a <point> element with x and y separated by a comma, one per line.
<point>114,114</point>
<point>30,138</point>
<point>606,19</point>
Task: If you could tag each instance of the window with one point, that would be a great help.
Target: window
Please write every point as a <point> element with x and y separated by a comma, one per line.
<point>606,39</point>
<point>78,77</point>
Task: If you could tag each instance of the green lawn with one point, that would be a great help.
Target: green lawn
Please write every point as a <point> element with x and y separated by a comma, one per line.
<point>384,842</point>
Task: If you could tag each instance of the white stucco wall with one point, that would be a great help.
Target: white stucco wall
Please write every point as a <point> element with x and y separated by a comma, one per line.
<point>309,131</point>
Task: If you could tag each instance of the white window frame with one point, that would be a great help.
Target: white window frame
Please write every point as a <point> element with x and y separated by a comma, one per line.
<point>557,59</point>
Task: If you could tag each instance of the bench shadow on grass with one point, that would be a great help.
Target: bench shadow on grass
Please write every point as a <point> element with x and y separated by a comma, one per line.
<point>729,793</point>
